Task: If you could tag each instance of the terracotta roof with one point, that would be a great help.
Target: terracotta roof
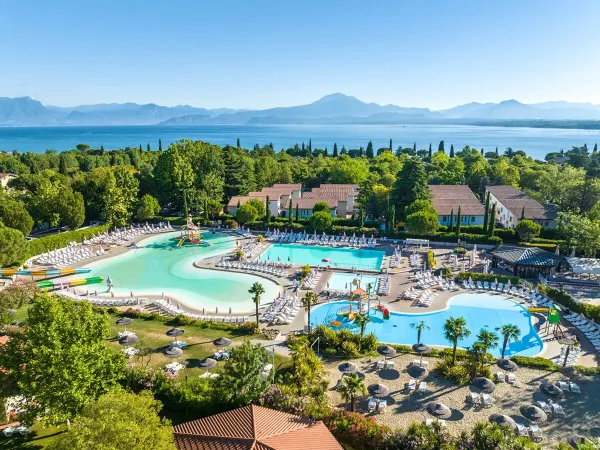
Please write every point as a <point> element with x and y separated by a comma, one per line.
<point>243,199</point>
<point>514,200</point>
<point>446,198</point>
<point>254,428</point>
<point>292,186</point>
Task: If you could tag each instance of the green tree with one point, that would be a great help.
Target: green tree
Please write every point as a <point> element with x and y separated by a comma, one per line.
<point>420,205</point>
<point>321,206</point>
<point>492,224</point>
<point>441,147</point>
<point>410,185</point>
<point>297,215</point>
<point>71,208</point>
<point>487,339</point>
<point>240,382</point>
<point>290,212</point>
<point>256,290</point>
<point>508,332</point>
<point>308,301</point>
<point>393,217</point>
<point>321,221</point>
<point>528,229</point>
<point>335,150</point>
<point>258,206</point>
<point>430,152</point>
<point>419,326</point>
<point>160,145</point>
<point>267,210</point>
<point>60,361</point>
<point>452,151</point>
<point>352,387</point>
<point>458,221</point>
<point>148,207</point>
<point>307,375</point>
<point>246,213</point>
<point>422,222</point>
<point>455,329</point>
<point>118,420</point>
<point>486,214</point>
<point>369,152</point>
<point>362,319</point>
<point>451,224</point>
<point>13,247</point>
<point>14,215</point>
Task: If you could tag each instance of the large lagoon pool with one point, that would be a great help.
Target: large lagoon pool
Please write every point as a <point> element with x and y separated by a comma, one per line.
<point>159,266</point>
<point>481,311</point>
<point>314,255</point>
<point>341,281</point>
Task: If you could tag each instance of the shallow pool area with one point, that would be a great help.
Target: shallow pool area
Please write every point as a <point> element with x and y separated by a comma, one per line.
<point>318,255</point>
<point>343,281</point>
<point>158,266</point>
<point>481,311</point>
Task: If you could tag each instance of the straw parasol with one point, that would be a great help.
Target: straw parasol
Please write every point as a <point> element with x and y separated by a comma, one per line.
<point>124,321</point>
<point>347,368</point>
<point>207,364</point>
<point>173,352</point>
<point>438,410</point>
<point>386,351</point>
<point>222,342</point>
<point>484,384</point>
<point>533,414</point>
<point>418,372</point>
<point>575,440</point>
<point>551,390</point>
<point>174,332</point>
<point>507,365</point>
<point>421,349</point>
<point>378,390</point>
<point>128,340</point>
<point>503,420</point>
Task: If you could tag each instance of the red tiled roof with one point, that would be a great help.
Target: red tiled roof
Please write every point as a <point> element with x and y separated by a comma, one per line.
<point>514,200</point>
<point>243,199</point>
<point>254,427</point>
<point>446,198</point>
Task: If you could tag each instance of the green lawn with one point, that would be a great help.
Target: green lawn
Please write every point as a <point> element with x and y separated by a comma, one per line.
<point>38,438</point>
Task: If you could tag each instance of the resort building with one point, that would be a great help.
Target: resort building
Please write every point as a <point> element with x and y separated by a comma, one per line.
<point>527,262</point>
<point>254,427</point>
<point>5,178</point>
<point>512,204</point>
<point>341,199</point>
<point>446,200</point>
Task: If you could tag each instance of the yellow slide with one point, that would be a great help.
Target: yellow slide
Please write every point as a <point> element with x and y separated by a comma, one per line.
<point>180,242</point>
<point>538,310</point>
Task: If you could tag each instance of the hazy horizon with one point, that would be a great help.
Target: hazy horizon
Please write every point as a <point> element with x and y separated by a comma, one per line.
<point>259,55</point>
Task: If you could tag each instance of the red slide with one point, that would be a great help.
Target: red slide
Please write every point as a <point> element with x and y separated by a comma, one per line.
<point>385,311</point>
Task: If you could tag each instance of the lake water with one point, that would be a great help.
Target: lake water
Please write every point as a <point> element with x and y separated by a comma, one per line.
<point>537,142</point>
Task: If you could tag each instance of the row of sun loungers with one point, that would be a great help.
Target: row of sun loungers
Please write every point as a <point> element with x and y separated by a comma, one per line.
<point>173,310</point>
<point>252,249</point>
<point>485,400</point>
<point>276,269</point>
<point>310,282</point>
<point>551,408</point>
<point>509,378</point>
<point>568,386</point>
<point>68,256</point>
<point>332,241</point>
<point>572,357</point>
<point>533,431</point>
<point>282,310</point>
<point>375,406</point>
<point>588,327</point>
<point>383,285</point>
<point>130,301</point>
<point>243,232</point>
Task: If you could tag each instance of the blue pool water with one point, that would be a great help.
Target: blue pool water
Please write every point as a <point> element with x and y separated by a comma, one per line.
<point>159,266</point>
<point>366,259</point>
<point>341,281</point>
<point>481,311</point>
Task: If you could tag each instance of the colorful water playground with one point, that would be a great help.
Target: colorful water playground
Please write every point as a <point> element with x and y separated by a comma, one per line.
<point>481,311</point>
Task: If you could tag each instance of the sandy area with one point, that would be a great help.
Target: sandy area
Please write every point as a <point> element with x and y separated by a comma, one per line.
<point>582,411</point>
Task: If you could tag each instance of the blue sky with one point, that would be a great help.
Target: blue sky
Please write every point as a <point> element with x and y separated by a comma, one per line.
<point>258,54</point>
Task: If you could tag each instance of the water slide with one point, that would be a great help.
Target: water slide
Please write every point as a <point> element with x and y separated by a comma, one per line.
<point>69,283</point>
<point>385,311</point>
<point>43,273</point>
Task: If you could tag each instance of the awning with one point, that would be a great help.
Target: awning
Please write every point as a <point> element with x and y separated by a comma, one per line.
<point>584,265</point>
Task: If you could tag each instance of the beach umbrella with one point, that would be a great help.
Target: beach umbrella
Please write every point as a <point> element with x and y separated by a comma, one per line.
<point>222,342</point>
<point>131,293</point>
<point>484,384</point>
<point>496,281</point>
<point>418,372</point>
<point>421,349</point>
<point>507,365</point>
<point>557,252</point>
<point>128,340</point>
<point>438,410</point>
<point>347,368</point>
<point>551,390</point>
<point>174,332</point>
<point>533,414</point>
<point>378,390</point>
<point>576,440</point>
<point>386,351</point>
<point>173,352</point>
<point>216,310</point>
<point>230,310</point>
<point>573,252</point>
<point>503,420</point>
<point>124,321</point>
<point>207,364</point>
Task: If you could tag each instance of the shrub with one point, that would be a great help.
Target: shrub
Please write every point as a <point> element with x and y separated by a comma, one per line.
<point>489,277</point>
<point>47,243</point>
<point>430,259</point>
<point>535,362</point>
<point>561,297</point>
<point>350,350</point>
<point>460,250</point>
<point>369,343</point>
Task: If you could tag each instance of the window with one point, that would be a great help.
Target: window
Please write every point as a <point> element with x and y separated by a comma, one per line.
<point>472,218</point>
<point>444,218</point>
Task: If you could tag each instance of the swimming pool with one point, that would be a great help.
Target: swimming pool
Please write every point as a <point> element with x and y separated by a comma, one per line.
<point>341,281</point>
<point>158,266</point>
<point>366,259</point>
<point>481,311</point>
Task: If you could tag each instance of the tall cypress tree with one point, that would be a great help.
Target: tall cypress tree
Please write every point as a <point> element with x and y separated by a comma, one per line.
<point>482,150</point>
<point>391,145</point>
<point>452,151</point>
<point>268,210</point>
<point>369,151</point>
<point>486,214</point>
<point>205,211</point>
<point>451,226</point>
<point>430,151</point>
<point>290,212</point>
<point>393,217</point>
<point>496,151</point>
<point>310,145</point>
<point>441,147</point>
<point>160,145</point>
<point>141,148</point>
<point>361,217</point>
<point>297,213</point>
<point>335,150</point>
<point>415,148</point>
<point>523,213</point>
<point>595,148</point>
<point>492,223</point>
<point>102,148</point>
<point>148,147</point>
<point>458,220</point>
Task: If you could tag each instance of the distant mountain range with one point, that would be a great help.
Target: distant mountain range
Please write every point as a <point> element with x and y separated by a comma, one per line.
<point>331,109</point>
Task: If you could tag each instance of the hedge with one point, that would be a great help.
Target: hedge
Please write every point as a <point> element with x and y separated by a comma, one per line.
<point>547,247</point>
<point>489,277</point>
<point>588,310</point>
<point>54,241</point>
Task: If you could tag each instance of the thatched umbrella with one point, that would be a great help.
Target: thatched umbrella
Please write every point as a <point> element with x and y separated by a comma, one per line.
<point>222,342</point>
<point>173,352</point>
<point>551,390</point>
<point>128,339</point>
<point>438,410</point>
<point>378,390</point>
<point>175,332</point>
<point>347,368</point>
<point>207,364</point>
<point>418,372</point>
<point>503,420</point>
<point>507,365</point>
<point>484,384</point>
<point>421,349</point>
<point>124,321</point>
<point>386,351</point>
<point>533,414</point>
<point>574,440</point>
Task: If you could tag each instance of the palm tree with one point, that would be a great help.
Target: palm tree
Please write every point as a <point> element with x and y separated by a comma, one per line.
<point>419,326</point>
<point>362,319</point>
<point>352,387</point>
<point>476,354</point>
<point>256,290</point>
<point>307,301</point>
<point>455,329</point>
<point>508,332</point>
<point>487,339</point>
